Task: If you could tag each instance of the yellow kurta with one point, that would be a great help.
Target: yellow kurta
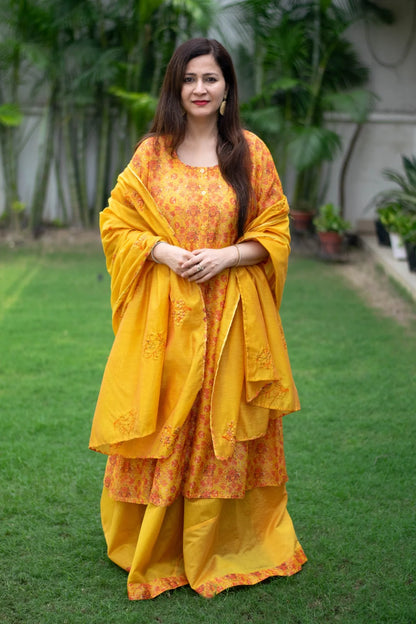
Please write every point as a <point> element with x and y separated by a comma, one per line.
<point>197,379</point>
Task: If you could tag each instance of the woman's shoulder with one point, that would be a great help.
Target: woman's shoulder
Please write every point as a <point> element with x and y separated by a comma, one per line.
<point>256,145</point>
<point>150,145</point>
<point>150,148</point>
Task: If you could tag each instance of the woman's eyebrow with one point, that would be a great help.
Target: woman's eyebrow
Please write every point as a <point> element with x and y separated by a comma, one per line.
<point>206,74</point>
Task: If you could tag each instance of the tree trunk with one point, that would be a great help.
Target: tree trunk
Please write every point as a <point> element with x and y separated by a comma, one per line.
<point>46,149</point>
<point>344,169</point>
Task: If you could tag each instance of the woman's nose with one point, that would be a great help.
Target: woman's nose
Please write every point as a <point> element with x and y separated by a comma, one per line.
<point>199,86</point>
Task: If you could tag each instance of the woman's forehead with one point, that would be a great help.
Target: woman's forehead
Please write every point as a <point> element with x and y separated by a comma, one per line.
<point>205,64</point>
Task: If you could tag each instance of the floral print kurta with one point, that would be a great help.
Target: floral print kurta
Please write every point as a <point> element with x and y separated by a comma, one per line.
<point>201,209</point>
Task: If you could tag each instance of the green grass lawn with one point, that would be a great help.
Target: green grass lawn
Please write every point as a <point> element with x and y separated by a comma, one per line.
<point>350,451</point>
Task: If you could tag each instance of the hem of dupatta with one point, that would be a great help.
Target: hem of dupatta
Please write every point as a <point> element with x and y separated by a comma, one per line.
<point>146,591</point>
<point>287,568</point>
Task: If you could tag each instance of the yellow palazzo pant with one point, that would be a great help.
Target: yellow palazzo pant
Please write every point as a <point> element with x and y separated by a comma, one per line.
<point>210,544</point>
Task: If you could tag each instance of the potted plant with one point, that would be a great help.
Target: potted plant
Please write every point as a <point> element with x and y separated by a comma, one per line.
<point>302,216</point>
<point>382,233</point>
<point>396,207</point>
<point>390,216</point>
<point>331,228</point>
<point>406,226</point>
<point>304,67</point>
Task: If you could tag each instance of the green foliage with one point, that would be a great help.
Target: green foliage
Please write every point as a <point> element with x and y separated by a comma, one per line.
<point>356,103</point>
<point>94,69</point>
<point>311,145</point>
<point>329,220</point>
<point>396,207</point>
<point>388,214</point>
<point>305,68</point>
<point>142,106</point>
<point>405,193</point>
<point>10,115</point>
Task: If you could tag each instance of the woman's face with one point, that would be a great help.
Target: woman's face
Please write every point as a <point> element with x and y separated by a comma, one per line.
<point>203,87</point>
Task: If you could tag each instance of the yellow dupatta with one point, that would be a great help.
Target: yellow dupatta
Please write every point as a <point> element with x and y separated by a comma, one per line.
<point>156,365</point>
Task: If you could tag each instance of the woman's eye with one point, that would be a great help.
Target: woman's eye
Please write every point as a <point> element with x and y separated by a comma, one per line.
<point>188,79</point>
<point>211,79</point>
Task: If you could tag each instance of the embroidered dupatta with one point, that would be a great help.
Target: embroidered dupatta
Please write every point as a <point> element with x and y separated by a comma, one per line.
<point>156,366</point>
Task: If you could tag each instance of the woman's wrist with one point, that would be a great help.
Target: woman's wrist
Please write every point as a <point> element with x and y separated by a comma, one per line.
<point>154,251</point>
<point>248,253</point>
<point>238,258</point>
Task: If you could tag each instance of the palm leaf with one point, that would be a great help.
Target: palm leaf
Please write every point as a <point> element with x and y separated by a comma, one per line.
<point>311,146</point>
<point>10,115</point>
<point>409,165</point>
<point>265,121</point>
<point>394,176</point>
<point>356,103</point>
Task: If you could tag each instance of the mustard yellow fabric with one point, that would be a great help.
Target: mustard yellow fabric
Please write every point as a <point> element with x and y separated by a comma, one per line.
<point>155,368</point>
<point>206,543</point>
<point>195,385</point>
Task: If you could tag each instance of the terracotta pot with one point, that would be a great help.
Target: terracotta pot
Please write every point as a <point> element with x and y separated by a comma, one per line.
<point>331,243</point>
<point>301,220</point>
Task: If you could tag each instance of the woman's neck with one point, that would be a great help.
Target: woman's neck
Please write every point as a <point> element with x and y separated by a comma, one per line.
<point>199,147</point>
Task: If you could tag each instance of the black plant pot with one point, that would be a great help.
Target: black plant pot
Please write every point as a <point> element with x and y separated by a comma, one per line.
<point>411,256</point>
<point>383,236</point>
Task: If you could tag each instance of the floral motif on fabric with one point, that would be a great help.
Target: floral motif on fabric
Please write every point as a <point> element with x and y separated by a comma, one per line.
<point>288,568</point>
<point>145,591</point>
<point>125,423</point>
<point>140,243</point>
<point>179,310</point>
<point>201,209</point>
<point>264,358</point>
<point>168,436</point>
<point>154,345</point>
<point>229,433</point>
<point>273,391</point>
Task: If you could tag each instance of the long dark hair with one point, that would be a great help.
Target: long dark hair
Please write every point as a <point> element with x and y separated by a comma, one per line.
<point>232,148</point>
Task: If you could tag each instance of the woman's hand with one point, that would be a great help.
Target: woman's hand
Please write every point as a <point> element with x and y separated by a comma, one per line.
<point>206,263</point>
<point>171,255</point>
<point>201,265</point>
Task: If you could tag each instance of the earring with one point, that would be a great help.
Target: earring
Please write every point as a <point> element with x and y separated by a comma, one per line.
<point>222,107</point>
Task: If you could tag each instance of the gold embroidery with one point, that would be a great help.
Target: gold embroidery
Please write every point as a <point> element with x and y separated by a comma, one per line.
<point>154,345</point>
<point>264,358</point>
<point>140,242</point>
<point>229,434</point>
<point>168,436</point>
<point>274,391</point>
<point>125,423</point>
<point>179,310</point>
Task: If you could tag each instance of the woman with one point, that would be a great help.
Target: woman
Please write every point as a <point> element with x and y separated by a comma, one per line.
<point>196,239</point>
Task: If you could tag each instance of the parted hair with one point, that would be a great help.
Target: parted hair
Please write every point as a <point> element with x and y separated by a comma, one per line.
<point>232,148</point>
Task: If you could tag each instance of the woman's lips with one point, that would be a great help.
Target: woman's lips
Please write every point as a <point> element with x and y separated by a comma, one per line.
<point>200,102</point>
